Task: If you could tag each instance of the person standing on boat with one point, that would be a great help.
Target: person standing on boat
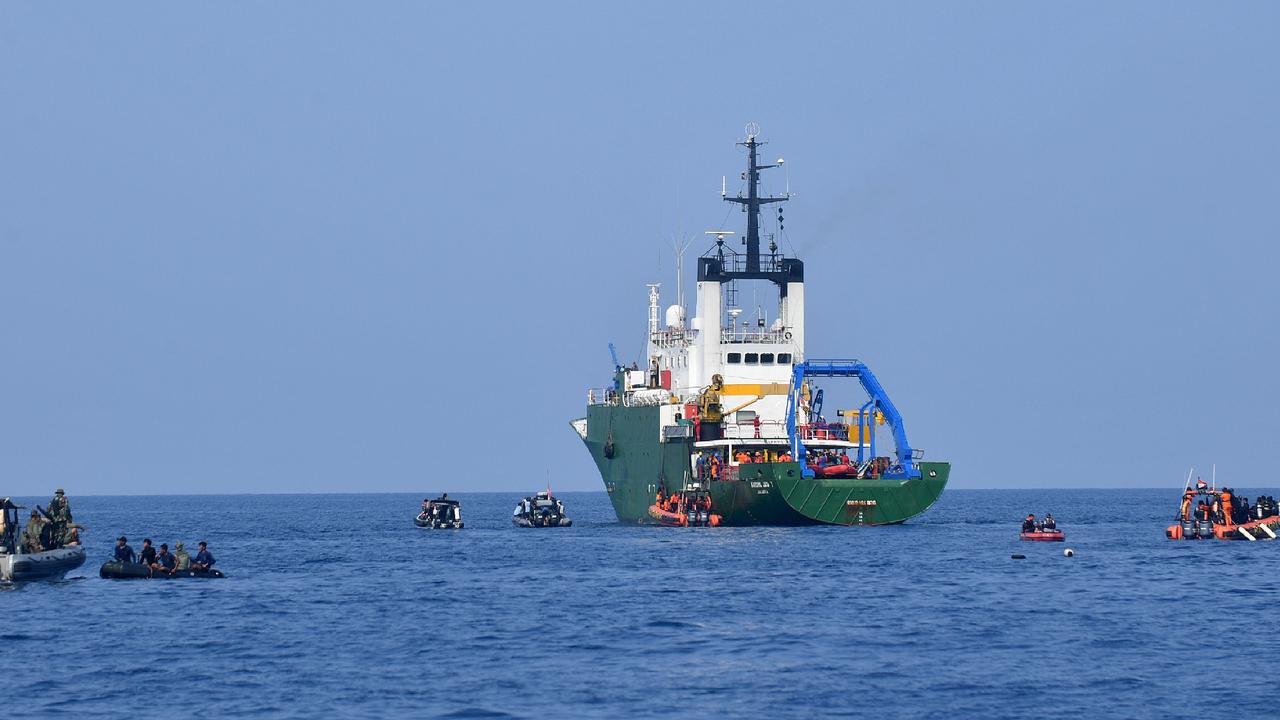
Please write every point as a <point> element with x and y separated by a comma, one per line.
<point>1185,511</point>
<point>60,517</point>
<point>124,553</point>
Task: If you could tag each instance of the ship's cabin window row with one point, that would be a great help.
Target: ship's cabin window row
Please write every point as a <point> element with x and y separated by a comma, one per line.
<point>757,358</point>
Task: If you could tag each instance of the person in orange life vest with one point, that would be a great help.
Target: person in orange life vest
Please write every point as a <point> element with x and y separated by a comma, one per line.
<point>755,421</point>
<point>1185,511</point>
<point>1226,506</point>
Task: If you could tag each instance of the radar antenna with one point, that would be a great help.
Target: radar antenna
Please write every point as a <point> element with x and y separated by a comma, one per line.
<point>752,202</point>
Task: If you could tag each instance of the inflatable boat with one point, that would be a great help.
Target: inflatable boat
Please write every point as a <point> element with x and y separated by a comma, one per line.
<point>687,508</point>
<point>47,565</point>
<point>132,571</point>
<point>440,514</point>
<point>1223,515</point>
<point>16,565</point>
<point>1264,529</point>
<point>540,511</point>
<point>1045,535</point>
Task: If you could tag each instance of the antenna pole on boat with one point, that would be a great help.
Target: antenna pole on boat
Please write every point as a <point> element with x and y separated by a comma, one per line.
<point>752,202</point>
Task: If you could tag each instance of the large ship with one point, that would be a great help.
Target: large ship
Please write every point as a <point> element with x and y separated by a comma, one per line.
<point>727,403</point>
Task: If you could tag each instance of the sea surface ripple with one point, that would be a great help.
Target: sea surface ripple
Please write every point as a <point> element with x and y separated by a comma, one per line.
<point>337,606</point>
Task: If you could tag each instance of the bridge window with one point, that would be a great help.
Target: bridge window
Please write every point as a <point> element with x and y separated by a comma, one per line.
<point>766,358</point>
<point>752,358</point>
<point>733,358</point>
<point>784,358</point>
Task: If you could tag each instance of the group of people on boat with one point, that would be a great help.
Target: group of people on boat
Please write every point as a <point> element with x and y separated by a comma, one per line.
<point>46,529</point>
<point>1030,525</point>
<point>680,502</point>
<point>164,561</point>
<point>1224,507</point>
<point>540,510</point>
<point>442,512</point>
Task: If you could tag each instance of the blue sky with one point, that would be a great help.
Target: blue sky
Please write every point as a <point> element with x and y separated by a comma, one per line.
<point>382,247</point>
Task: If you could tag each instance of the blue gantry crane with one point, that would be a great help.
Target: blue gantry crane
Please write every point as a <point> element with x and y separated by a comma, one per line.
<point>879,402</point>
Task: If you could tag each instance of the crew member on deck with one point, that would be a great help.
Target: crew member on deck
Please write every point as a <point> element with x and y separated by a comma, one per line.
<point>1049,524</point>
<point>1185,512</point>
<point>1226,506</point>
<point>1029,525</point>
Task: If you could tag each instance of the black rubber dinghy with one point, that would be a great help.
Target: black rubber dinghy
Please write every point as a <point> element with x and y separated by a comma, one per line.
<point>131,571</point>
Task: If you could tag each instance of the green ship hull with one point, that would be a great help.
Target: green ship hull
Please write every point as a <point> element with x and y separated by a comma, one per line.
<point>638,463</point>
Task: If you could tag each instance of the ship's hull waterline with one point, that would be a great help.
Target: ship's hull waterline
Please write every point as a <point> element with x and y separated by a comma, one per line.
<point>762,493</point>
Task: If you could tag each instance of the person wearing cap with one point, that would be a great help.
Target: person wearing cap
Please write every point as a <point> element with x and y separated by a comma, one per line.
<point>1049,524</point>
<point>124,553</point>
<point>59,510</point>
<point>165,561</point>
<point>59,514</point>
<point>182,561</point>
<point>203,559</point>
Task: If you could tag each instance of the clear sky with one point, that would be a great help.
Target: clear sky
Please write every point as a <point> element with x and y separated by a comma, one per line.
<point>308,246</point>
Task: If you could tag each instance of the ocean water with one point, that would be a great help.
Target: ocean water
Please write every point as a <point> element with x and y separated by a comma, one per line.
<point>337,606</point>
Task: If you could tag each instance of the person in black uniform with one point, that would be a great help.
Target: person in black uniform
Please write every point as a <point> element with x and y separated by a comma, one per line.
<point>1049,524</point>
<point>148,555</point>
<point>1029,525</point>
<point>124,553</point>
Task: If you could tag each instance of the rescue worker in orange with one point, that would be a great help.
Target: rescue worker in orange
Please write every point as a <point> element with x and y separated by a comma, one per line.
<point>1187,497</point>
<point>1226,506</point>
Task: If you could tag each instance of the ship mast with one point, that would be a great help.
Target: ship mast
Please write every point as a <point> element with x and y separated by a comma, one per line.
<point>753,201</point>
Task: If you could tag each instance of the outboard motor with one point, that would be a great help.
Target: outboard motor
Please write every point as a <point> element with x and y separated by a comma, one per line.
<point>1189,529</point>
<point>1206,529</point>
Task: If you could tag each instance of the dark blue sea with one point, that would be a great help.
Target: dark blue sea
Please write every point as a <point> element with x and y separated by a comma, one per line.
<point>337,606</point>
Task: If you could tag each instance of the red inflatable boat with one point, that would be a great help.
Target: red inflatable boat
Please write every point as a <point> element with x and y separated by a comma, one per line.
<point>679,519</point>
<point>1045,536</point>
